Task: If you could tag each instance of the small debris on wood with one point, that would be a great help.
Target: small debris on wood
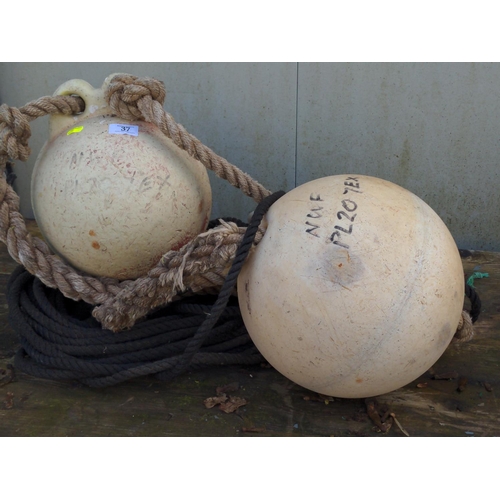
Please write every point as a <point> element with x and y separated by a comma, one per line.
<point>319,397</point>
<point>383,411</point>
<point>393,415</point>
<point>253,429</point>
<point>374,413</point>
<point>9,400</point>
<point>214,401</point>
<point>445,376</point>
<point>382,416</point>
<point>422,385</point>
<point>487,386</point>
<point>233,404</point>
<point>228,404</point>
<point>462,384</point>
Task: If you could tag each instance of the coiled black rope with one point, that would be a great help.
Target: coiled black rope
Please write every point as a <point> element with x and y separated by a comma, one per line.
<point>475,302</point>
<point>60,340</point>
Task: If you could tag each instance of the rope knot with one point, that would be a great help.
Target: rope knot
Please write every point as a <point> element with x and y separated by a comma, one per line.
<point>14,133</point>
<point>130,96</point>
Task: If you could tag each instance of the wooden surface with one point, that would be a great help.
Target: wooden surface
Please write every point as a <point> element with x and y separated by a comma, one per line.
<point>457,397</point>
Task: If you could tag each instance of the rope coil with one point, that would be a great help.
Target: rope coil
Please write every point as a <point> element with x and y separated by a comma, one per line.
<point>58,344</point>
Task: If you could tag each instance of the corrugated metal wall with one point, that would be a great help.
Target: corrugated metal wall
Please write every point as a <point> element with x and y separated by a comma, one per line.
<point>430,127</point>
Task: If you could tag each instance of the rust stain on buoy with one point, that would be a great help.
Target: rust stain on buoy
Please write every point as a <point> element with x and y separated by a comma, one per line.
<point>96,245</point>
<point>184,241</point>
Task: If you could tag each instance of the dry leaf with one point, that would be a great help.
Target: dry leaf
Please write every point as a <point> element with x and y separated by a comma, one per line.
<point>373,413</point>
<point>233,404</point>
<point>216,400</point>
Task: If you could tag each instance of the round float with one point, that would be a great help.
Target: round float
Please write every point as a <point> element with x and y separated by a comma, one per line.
<point>111,196</point>
<point>356,288</point>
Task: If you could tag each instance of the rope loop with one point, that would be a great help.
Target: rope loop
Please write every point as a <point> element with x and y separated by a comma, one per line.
<point>128,95</point>
<point>465,329</point>
<point>15,132</point>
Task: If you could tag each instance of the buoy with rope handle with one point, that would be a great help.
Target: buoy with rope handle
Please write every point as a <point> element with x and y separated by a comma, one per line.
<point>112,195</point>
<point>356,288</point>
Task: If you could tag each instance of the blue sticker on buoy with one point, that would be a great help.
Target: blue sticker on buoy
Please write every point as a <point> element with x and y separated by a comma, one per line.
<point>117,128</point>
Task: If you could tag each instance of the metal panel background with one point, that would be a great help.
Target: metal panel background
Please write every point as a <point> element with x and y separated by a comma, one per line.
<point>433,128</point>
<point>430,127</point>
<point>245,112</point>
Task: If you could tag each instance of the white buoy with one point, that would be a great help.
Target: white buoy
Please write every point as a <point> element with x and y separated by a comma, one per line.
<point>356,288</point>
<point>111,196</point>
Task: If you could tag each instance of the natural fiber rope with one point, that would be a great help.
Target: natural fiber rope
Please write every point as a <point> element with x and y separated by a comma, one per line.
<point>59,345</point>
<point>201,264</point>
<point>465,329</point>
<point>141,99</point>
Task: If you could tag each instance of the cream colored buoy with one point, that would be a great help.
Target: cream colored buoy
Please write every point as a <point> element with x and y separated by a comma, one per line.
<point>356,288</point>
<point>111,196</point>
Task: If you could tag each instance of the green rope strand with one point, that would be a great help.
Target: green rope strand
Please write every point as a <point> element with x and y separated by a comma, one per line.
<point>474,276</point>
